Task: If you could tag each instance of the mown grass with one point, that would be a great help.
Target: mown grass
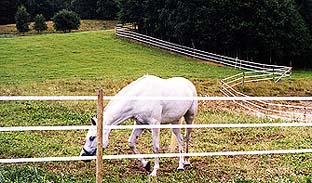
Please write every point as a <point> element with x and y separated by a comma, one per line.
<point>80,63</point>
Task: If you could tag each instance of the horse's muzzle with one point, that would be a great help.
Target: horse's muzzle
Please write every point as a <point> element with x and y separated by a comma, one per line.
<point>84,152</point>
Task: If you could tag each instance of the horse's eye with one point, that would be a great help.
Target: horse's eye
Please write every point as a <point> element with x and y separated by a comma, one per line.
<point>91,138</point>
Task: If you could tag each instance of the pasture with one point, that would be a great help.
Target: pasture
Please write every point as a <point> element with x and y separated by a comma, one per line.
<point>80,63</point>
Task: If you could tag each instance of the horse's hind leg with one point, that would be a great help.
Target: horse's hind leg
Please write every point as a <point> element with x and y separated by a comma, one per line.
<point>156,140</point>
<point>177,133</point>
<point>134,135</point>
<point>189,118</point>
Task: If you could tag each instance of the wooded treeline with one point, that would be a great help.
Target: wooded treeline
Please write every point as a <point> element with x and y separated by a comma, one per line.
<point>266,31</point>
<point>87,9</point>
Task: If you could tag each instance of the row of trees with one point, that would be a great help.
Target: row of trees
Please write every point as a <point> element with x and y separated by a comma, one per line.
<point>87,9</point>
<point>268,31</point>
<point>64,21</point>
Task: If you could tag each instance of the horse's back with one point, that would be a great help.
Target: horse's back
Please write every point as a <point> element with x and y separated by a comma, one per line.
<point>154,86</point>
<point>151,86</point>
<point>171,110</point>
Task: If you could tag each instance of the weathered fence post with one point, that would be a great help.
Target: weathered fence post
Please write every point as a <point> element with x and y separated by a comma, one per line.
<point>273,74</point>
<point>236,60</point>
<point>305,114</point>
<point>243,81</point>
<point>240,64</point>
<point>99,151</point>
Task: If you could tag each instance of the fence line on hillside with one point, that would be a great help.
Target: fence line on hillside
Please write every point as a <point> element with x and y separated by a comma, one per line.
<point>256,72</point>
<point>278,71</point>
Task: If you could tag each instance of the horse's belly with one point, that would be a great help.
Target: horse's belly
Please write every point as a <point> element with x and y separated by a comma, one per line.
<point>172,112</point>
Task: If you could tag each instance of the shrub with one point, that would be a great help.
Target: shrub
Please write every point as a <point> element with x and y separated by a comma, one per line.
<point>21,19</point>
<point>66,21</point>
<point>40,23</point>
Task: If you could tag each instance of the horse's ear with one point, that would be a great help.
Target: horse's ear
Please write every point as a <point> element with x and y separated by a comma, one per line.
<point>93,121</point>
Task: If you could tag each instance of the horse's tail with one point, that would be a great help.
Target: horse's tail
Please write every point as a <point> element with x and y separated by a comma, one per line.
<point>173,143</point>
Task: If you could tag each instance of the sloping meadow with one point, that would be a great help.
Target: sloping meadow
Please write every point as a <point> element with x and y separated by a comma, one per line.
<point>77,64</point>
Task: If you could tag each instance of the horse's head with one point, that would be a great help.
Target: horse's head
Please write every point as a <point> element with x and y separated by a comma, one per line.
<point>89,148</point>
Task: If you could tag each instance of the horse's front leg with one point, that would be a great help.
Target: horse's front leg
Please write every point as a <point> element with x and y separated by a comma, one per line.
<point>135,134</point>
<point>156,140</point>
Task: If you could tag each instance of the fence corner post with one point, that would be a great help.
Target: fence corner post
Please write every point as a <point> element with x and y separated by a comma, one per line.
<point>99,151</point>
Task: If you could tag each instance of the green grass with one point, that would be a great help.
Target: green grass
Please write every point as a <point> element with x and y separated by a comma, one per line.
<point>80,63</point>
<point>89,58</point>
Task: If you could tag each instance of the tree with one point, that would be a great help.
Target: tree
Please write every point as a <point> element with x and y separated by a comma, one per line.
<point>305,8</point>
<point>107,9</point>
<point>40,23</point>
<point>85,8</point>
<point>7,11</point>
<point>268,31</point>
<point>66,21</point>
<point>132,11</point>
<point>22,18</point>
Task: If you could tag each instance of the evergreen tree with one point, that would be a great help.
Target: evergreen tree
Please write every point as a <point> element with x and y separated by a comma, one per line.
<point>66,21</point>
<point>40,24</point>
<point>22,18</point>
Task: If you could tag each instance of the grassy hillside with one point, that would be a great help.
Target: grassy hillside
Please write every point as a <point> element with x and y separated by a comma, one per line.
<point>80,63</point>
<point>89,58</point>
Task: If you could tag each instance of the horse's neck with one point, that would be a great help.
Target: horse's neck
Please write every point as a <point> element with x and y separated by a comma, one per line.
<point>113,117</point>
<point>116,114</point>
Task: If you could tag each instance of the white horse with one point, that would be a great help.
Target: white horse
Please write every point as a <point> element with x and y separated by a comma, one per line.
<point>149,112</point>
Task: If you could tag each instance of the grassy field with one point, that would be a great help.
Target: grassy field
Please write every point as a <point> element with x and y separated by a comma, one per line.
<point>79,63</point>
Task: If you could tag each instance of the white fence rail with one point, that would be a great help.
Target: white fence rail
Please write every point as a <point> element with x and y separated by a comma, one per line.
<point>75,158</point>
<point>261,106</point>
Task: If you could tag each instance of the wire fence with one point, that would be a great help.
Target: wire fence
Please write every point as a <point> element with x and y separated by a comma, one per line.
<point>200,154</point>
<point>254,72</point>
<point>278,71</point>
<point>283,109</point>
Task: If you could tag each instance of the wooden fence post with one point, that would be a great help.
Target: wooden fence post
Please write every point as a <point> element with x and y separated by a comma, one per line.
<point>243,81</point>
<point>236,60</point>
<point>99,151</point>
<point>305,114</point>
<point>273,74</point>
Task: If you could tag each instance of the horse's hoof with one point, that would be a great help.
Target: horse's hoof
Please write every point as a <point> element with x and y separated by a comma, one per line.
<point>153,174</point>
<point>148,166</point>
<point>181,169</point>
